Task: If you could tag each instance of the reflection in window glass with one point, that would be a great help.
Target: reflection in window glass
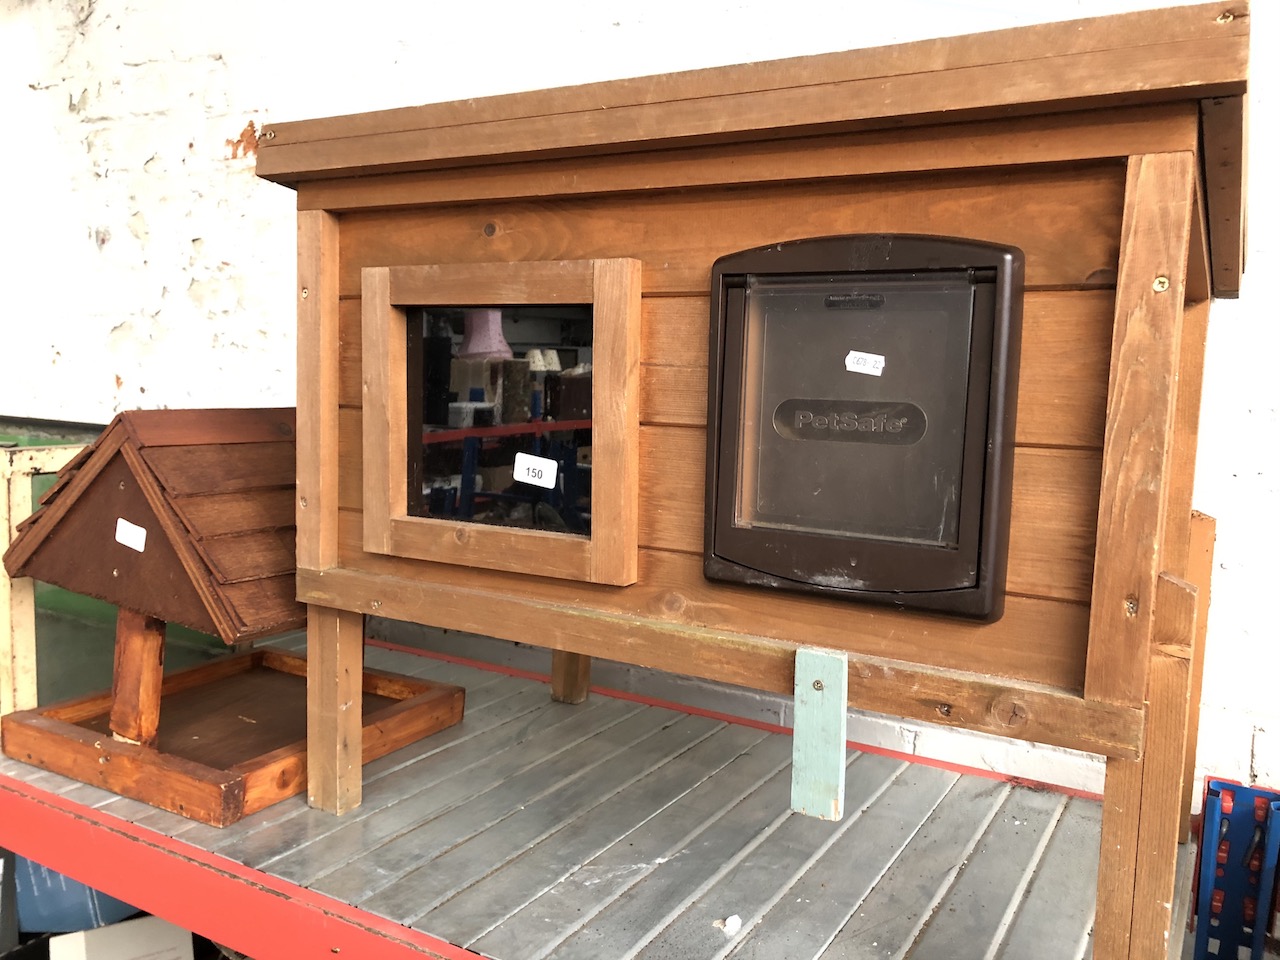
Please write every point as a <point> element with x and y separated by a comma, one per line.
<point>499,415</point>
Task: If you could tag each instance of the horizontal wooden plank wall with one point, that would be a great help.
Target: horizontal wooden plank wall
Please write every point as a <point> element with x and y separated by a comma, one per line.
<point>1065,217</point>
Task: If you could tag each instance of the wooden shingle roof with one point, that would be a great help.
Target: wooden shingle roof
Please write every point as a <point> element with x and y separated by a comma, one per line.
<point>184,515</point>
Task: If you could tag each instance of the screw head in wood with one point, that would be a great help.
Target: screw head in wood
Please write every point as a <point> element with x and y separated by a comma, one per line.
<point>305,293</point>
<point>1160,285</point>
<point>1225,17</point>
<point>817,685</point>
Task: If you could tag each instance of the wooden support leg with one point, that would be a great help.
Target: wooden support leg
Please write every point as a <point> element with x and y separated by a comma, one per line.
<point>335,674</point>
<point>1117,864</point>
<point>570,676</point>
<point>1160,825</point>
<point>1141,815</point>
<point>820,732</point>
<point>1199,572</point>
<point>137,677</point>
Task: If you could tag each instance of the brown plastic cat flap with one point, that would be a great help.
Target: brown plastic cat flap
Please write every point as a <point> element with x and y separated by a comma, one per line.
<point>861,410</point>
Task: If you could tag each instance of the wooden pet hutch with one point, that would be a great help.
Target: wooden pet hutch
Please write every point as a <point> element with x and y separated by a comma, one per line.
<point>1109,152</point>
<point>186,517</point>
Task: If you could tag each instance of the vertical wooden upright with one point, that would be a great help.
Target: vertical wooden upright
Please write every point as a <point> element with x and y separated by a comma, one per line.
<point>1141,399</point>
<point>136,678</point>
<point>1199,572</point>
<point>17,600</point>
<point>335,670</point>
<point>570,676</point>
<point>317,410</point>
<point>17,595</point>
<point>1142,617</point>
<point>335,638</point>
<point>1160,817</point>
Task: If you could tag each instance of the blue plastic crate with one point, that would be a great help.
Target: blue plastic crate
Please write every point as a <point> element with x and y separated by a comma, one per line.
<point>1239,848</point>
<point>50,902</point>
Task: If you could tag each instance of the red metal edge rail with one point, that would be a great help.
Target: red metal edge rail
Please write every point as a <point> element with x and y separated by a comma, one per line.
<point>253,912</point>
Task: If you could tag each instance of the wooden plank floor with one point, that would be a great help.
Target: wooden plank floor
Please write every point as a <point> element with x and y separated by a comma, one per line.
<point>617,829</point>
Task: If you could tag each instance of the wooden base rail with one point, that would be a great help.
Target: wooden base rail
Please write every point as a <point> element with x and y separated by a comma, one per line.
<point>952,698</point>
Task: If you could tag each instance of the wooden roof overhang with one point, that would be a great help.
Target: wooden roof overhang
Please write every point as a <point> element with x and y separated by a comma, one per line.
<point>213,491</point>
<point>1188,55</point>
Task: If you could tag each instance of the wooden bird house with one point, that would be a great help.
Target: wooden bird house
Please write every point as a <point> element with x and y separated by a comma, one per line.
<point>186,517</point>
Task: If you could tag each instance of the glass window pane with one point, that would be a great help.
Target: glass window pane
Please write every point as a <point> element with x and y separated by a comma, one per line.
<point>503,407</point>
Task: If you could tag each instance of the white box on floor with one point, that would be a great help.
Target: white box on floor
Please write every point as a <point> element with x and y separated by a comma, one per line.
<point>147,938</point>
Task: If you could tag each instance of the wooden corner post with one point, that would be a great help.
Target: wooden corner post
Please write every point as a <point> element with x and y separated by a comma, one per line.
<point>335,638</point>
<point>1134,607</point>
<point>317,406</point>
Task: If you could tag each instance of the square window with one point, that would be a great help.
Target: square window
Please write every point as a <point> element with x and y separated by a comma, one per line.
<point>436,461</point>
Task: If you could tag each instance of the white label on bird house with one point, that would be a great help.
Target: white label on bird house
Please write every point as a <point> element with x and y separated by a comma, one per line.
<point>539,471</point>
<point>131,535</point>
<point>872,364</point>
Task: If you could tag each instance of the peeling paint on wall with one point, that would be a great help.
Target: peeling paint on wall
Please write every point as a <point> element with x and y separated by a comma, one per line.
<point>245,145</point>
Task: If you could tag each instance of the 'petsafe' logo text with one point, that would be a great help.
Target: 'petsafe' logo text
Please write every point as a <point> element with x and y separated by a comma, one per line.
<point>892,422</point>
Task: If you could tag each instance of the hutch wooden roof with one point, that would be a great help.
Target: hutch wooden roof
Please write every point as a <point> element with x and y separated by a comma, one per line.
<point>183,515</point>
<point>1150,57</point>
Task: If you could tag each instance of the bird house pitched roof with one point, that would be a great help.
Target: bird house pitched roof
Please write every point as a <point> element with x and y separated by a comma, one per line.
<point>184,515</point>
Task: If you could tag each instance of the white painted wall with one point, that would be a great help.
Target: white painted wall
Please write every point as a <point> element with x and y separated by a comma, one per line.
<point>145,265</point>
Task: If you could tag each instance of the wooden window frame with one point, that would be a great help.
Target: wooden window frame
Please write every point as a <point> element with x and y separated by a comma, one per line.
<point>612,288</point>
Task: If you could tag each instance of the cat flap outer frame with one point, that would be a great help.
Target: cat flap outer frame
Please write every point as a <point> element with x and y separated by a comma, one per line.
<point>861,407</point>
